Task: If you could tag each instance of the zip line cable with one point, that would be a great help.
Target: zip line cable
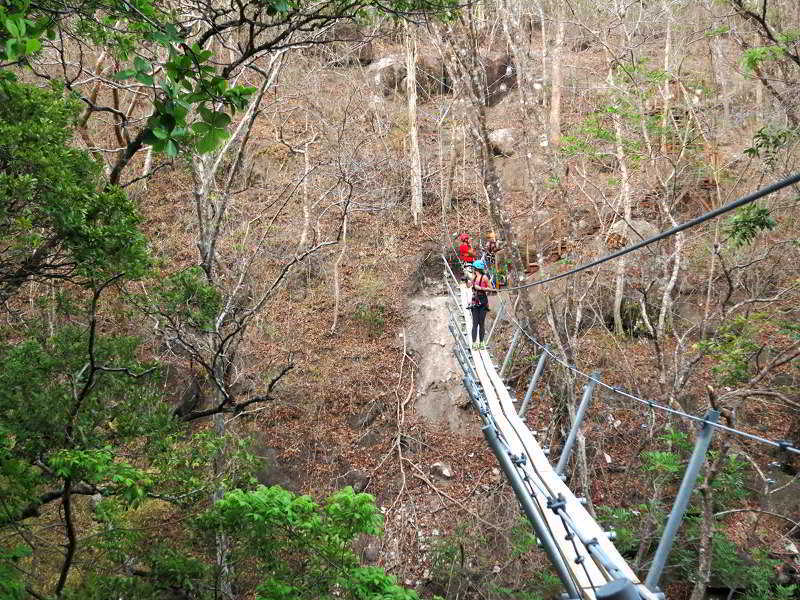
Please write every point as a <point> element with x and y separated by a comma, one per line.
<point>792,179</point>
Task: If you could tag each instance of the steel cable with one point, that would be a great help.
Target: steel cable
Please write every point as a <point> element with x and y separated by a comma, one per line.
<point>781,444</point>
<point>792,179</point>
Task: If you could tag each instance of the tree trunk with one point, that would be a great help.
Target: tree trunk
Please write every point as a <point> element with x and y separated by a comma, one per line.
<point>336,289</point>
<point>625,200</point>
<point>557,80</point>
<point>666,89</point>
<point>463,56</point>
<point>416,163</point>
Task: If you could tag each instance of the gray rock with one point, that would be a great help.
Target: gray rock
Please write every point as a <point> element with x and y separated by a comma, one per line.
<point>636,231</point>
<point>368,547</point>
<point>501,76</point>
<point>503,141</point>
<point>441,470</point>
<point>387,75</point>
<point>357,479</point>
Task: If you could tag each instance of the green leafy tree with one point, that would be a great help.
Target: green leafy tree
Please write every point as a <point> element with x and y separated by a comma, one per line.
<point>304,549</point>
<point>58,218</point>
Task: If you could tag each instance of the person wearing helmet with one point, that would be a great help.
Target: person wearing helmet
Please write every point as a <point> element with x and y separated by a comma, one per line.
<point>490,255</point>
<point>466,254</point>
<point>465,251</point>
<point>479,306</point>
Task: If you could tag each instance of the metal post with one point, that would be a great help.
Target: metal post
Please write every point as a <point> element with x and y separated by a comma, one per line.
<point>573,432</point>
<point>539,525</point>
<point>681,501</point>
<point>532,385</point>
<point>510,353</point>
<point>494,323</point>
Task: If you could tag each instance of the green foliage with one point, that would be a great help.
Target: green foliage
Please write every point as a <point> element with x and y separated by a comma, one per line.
<point>12,586</point>
<point>56,215</point>
<point>188,83</point>
<point>753,58</point>
<point>522,538</point>
<point>181,470</point>
<point>675,439</point>
<point>718,31</point>
<point>623,521</point>
<point>732,347</point>
<point>583,139</point>
<point>98,466</point>
<point>755,574</point>
<point>729,485</point>
<point>373,316</point>
<point>661,462</point>
<point>748,221</point>
<point>304,548</point>
<point>769,142</point>
<point>189,297</point>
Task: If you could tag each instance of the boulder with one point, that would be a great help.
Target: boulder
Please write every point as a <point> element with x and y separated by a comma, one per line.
<point>441,470</point>
<point>357,479</point>
<point>387,75</point>
<point>368,547</point>
<point>503,141</point>
<point>623,234</point>
<point>345,44</point>
<point>501,76</point>
<point>432,76</point>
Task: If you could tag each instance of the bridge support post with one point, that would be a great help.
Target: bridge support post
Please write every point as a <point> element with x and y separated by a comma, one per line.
<point>681,501</point>
<point>494,323</point>
<point>532,385</point>
<point>510,353</point>
<point>539,525</point>
<point>573,432</point>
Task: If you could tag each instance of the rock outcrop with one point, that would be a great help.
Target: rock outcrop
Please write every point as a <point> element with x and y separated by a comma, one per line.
<point>387,75</point>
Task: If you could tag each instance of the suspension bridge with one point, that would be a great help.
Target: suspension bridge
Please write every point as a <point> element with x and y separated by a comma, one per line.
<point>583,555</point>
<point>581,552</point>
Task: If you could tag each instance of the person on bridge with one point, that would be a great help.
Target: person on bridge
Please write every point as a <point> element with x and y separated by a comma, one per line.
<point>479,306</point>
<point>465,251</point>
<point>490,251</point>
<point>466,255</point>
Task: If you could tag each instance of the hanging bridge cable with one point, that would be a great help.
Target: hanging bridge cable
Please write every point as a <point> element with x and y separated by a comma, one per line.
<point>783,445</point>
<point>551,496</point>
<point>602,562</point>
<point>547,493</point>
<point>791,180</point>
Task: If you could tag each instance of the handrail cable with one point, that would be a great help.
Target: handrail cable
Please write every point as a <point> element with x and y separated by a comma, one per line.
<point>545,492</point>
<point>792,179</point>
<point>782,444</point>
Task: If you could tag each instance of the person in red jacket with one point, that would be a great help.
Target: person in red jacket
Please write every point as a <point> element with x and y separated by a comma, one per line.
<point>465,251</point>
<point>466,255</point>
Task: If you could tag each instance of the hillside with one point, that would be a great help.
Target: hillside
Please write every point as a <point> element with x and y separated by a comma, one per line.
<point>288,325</point>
